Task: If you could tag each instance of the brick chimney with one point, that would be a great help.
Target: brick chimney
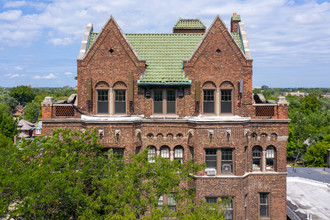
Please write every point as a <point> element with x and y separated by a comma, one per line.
<point>235,19</point>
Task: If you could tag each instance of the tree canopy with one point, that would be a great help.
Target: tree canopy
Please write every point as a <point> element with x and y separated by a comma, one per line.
<point>22,94</point>
<point>68,176</point>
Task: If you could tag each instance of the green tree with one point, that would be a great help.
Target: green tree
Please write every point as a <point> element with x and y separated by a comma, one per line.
<point>22,94</point>
<point>6,99</point>
<point>67,176</point>
<point>316,155</point>
<point>32,111</point>
<point>8,125</point>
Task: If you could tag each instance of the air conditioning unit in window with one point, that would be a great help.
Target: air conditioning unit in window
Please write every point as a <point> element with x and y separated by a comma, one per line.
<point>226,168</point>
<point>211,171</point>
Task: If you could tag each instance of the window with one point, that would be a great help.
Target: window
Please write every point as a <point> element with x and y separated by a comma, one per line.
<point>158,101</point>
<point>245,206</point>
<point>256,158</point>
<point>227,208</point>
<point>165,152</point>
<point>164,101</point>
<point>120,101</point>
<point>160,202</point>
<point>178,153</point>
<point>270,158</point>
<point>118,152</point>
<point>38,131</point>
<point>226,103</point>
<point>208,103</point>
<point>151,154</point>
<point>211,158</point>
<point>264,205</point>
<point>102,101</point>
<point>170,98</point>
<point>211,200</point>
<point>226,161</point>
<point>171,203</point>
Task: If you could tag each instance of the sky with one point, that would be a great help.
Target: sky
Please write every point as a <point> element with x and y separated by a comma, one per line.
<point>40,39</point>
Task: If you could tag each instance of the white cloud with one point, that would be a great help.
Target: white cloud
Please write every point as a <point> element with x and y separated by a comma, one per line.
<point>61,41</point>
<point>18,68</point>
<point>68,73</point>
<point>11,15</point>
<point>50,76</point>
<point>15,75</point>
<point>14,4</point>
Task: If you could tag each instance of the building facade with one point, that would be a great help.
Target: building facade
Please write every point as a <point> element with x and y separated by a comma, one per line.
<point>184,95</point>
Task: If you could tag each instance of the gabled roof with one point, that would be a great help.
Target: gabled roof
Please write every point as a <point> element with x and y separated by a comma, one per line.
<point>189,24</point>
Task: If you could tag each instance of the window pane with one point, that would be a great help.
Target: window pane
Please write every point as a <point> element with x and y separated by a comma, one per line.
<point>211,200</point>
<point>120,101</point>
<point>178,154</point>
<point>208,104</point>
<point>228,208</point>
<point>165,152</point>
<point>211,158</point>
<point>270,152</point>
<point>226,101</point>
<point>227,161</point>
<point>264,204</point>
<point>151,154</point>
<point>158,101</point>
<point>102,101</point>
<point>118,152</point>
<point>160,202</point>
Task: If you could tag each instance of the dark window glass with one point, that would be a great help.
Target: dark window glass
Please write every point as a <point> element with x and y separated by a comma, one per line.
<point>118,152</point>
<point>158,101</point>
<point>170,102</point>
<point>120,101</point>
<point>256,156</point>
<point>211,158</point>
<point>264,205</point>
<point>226,101</point>
<point>208,104</point>
<point>227,161</point>
<point>211,200</point>
<point>228,208</point>
<point>270,158</point>
<point>102,101</point>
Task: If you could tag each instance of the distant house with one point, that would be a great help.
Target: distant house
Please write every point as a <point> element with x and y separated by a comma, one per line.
<point>18,111</point>
<point>37,129</point>
<point>297,93</point>
<point>326,95</point>
<point>26,128</point>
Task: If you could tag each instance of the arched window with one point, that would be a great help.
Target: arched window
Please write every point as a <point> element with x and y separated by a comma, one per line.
<point>263,137</point>
<point>120,97</point>
<point>270,158</point>
<point>102,92</point>
<point>209,98</point>
<point>165,152</point>
<point>178,153</point>
<point>151,154</point>
<point>273,137</point>
<point>226,97</point>
<point>256,158</point>
<point>254,136</point>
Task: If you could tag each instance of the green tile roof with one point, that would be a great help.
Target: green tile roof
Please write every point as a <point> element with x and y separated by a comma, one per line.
<point>164,55</point>
<point>238,39</point>
<point>189,24</point>
<point>236,18</point>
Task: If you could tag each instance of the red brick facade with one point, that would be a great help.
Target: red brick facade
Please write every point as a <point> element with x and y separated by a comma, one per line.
<point>218,64</point>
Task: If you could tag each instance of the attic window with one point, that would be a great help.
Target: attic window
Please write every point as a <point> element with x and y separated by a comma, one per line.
<point>111,50</point>
<point>218,51</point>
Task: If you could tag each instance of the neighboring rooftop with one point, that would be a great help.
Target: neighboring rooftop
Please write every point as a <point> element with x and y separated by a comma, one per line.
<point>189,24</point>
<point>317,174</point>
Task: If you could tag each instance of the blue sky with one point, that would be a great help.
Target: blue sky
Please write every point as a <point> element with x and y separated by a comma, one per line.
<point>40,39</point>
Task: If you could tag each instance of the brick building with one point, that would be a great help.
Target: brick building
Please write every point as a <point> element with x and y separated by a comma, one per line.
<point>184,95</point>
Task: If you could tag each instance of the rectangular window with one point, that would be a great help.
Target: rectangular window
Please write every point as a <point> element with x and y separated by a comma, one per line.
<point>171,202</point>
<point>211,158</point>
<point>227,208</point>
<point>170,102</point>
<point>264,205</point>
<point>102,101</point>
<point>245,206</point>
<point>118,152</point>
<point>227,161</point>
<point>208,104</point>
<point>158,101</point>
<point>120,101</point>
<point>160,202</point>
<point>211,200</point>
<point>38,131</point>
<point>226,101</point>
